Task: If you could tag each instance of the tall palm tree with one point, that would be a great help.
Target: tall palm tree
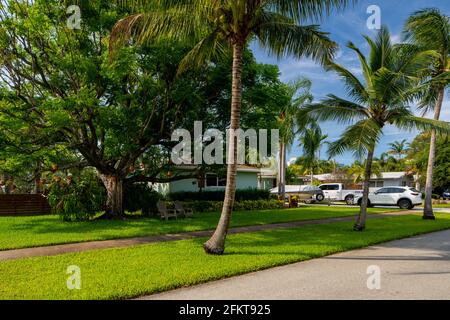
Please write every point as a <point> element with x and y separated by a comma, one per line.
<point>390,75</point>
<point>216,26</point>
<point>398,148</point>
<point>430,29</point>
<point>299,94</point>
<point>311,142</point>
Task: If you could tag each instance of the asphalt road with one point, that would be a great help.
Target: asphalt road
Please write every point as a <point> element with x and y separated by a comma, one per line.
<point>414,268</point>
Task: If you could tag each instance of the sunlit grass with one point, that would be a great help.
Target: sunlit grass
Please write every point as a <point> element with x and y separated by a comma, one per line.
<point>20,232</point>
<point>145,269</point>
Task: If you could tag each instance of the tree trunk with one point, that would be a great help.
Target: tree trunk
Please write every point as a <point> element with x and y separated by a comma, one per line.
<point>361,221</point>
<point>114,202</point>
<point>216,244</point>
<point>282,172</point>
<point>417,181</point>
<point>428,207</point>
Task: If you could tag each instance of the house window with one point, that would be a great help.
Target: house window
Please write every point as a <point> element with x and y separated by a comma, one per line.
<point>376,184</point>
<point>213,180</point>
<point>222,181</point>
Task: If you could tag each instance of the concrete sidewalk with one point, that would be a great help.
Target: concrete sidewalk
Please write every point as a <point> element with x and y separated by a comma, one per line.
<point>413,268</point>
<point>119,243</point>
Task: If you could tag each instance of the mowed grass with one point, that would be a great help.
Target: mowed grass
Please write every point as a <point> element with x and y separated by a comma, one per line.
<point>22,232</point>
<point>145,269</point>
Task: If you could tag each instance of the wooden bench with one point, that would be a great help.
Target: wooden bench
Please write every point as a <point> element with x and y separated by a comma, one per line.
<point>23,205</point>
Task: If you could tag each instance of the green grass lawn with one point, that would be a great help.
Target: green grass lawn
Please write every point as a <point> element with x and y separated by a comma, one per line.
<point>22,232</point>
<point>145,269</point>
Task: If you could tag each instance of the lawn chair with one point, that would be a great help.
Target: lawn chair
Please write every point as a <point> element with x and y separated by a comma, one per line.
<point>186,212</point>
<point>166,213</point>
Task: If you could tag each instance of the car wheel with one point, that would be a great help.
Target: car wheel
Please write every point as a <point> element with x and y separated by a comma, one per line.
<point>349,200</point>
<point>320,197</point>
<point>405,204</point>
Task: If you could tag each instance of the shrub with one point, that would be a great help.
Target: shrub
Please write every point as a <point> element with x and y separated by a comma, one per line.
<point>140,197</point>
<point>435,196</point>
<point>77,198</point>
<point>214,206</point>
<point>218,195</point>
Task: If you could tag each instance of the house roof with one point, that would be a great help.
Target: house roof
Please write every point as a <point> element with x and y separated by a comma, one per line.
<point>384,175</point>
<point>389,175</point>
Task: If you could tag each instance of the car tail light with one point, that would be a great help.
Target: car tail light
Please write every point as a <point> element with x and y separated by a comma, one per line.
<point>415,194</point>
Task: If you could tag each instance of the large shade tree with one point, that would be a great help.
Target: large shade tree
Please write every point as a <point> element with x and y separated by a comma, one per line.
<point>430,29</point>
<point>220,25</point>
<point>390,75</point>
<point>59,90</point>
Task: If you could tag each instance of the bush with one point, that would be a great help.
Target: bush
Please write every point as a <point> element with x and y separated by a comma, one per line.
<point>218,195</point>
<point>140,197</point>
<point>435,196</point>
<point>77,198</point>
<point>214,206</point>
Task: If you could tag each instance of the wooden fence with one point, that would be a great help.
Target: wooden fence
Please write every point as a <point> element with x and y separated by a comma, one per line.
<point>23,205</point>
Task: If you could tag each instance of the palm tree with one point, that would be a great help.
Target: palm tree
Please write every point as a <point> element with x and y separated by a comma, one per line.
<point>358,170</point>
<point>216,26</point>
<point>398,148</point>
<point>390,75</point>
<point>299,94</point>
<point>430,29</point>
<point>311,141</point>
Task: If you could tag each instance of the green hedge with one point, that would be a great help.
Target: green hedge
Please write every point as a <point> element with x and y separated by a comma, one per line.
<point>214,206</point>
<point>218,195</point>
<point>140,196</point>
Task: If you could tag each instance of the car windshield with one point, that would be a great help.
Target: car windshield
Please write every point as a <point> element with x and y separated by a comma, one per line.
<point>414,190</point>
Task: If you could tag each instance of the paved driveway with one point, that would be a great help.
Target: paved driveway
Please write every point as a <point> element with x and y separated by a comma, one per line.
<point>414,268</point>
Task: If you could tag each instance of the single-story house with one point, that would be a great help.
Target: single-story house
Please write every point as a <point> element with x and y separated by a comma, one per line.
<point>392,179</point>
<point>386,179</point>
<point>247,177</point>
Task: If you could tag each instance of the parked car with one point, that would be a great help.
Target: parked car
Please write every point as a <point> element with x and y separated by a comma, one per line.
<point>305,193</point>
<point>403,197</point>
<point>336,192</point>
<point>446,194</point>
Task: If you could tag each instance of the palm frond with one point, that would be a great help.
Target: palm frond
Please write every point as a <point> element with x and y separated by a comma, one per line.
<point>282,36</point>
<point>355,88</point>
<point>301,10</point>
<point>423,124</point>
<point>336,109</point>
<point>359,138</point>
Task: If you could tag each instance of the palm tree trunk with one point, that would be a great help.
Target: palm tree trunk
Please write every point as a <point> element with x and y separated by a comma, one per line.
<point>361,221</point>
<point>428,207</point>
<point>216,244</point>
<point>282,172</point>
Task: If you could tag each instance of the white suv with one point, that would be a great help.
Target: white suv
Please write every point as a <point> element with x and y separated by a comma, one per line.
<point>404,197</point>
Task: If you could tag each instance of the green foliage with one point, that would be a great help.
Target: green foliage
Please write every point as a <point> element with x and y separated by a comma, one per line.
<point>418,158</point>
<point>218,195</point>
<point>140,197</point>
<point>244,205</point>
<point>77,198</point>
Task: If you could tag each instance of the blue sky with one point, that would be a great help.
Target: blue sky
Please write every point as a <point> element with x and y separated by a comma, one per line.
<point>345,26</point>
